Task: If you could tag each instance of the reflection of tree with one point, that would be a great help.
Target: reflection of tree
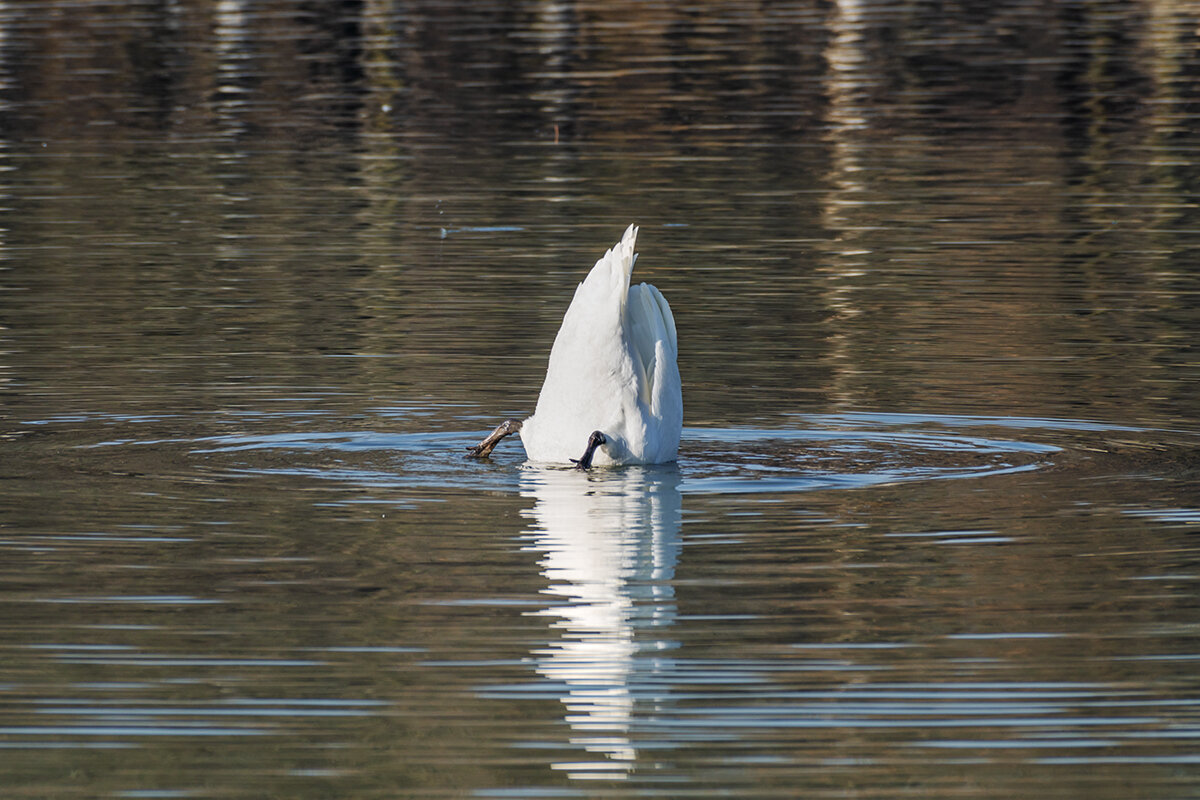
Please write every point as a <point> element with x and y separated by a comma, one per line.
<point>974,214</point>
<point>609,543</point>
<point>901,196</point>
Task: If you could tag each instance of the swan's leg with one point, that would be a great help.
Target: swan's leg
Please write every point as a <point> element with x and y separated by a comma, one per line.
<point>485,448</point>
<point>594,441</point>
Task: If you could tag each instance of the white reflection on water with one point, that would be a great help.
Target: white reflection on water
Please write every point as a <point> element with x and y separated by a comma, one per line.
<point>610,541</point>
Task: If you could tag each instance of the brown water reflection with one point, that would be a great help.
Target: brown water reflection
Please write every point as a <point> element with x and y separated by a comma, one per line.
<point>266,267</point>
<point>885,196</point>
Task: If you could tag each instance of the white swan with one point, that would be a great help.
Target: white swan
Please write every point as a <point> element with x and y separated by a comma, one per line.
<point>612,388</point>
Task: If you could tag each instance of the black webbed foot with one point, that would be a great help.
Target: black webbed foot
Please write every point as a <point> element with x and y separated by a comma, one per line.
<point>595,440</point>
<point>485,448</point>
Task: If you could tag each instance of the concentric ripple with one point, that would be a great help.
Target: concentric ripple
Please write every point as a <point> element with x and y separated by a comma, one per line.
<point>825,452</point>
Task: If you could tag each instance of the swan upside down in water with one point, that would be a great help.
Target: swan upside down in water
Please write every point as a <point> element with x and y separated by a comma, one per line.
<point>612,386</point>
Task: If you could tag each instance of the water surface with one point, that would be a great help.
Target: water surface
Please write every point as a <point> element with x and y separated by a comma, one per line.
<point>266,269</point>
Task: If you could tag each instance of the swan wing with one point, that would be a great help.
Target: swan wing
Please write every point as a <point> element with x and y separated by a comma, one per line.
<point>654,348</point>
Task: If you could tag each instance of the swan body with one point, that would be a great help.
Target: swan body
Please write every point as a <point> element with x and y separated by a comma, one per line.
<point>612,369</point>
<point>612,384</point>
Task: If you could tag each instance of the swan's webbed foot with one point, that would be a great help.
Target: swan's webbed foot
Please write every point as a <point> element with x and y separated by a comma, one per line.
<point>594,441</point>
<point>485,448</point>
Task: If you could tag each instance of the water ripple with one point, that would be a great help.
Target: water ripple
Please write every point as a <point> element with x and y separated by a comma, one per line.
<point>841,451</point>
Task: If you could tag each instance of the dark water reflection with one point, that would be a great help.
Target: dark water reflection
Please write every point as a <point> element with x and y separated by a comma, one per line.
<point>266,268</point>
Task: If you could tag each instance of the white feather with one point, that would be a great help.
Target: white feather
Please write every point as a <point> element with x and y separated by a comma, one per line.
<point>613,368</point>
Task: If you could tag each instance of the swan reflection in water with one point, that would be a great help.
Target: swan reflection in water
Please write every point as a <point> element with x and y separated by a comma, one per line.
<point>609,541</point>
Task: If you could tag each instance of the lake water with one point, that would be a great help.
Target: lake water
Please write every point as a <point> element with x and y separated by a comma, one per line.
<point>267,268</point>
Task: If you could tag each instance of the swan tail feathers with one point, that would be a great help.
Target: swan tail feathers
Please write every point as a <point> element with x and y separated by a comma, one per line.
<point>654,348</point>
<point>666,402</point>
<point>600,299</point>
<point>626,257</point>
<point>663,309</point>
<point>612,272</point>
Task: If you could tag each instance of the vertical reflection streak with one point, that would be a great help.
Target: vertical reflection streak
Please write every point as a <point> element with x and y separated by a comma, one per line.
<point>381,44</point>
<point>846,84</point>
<point>232,38</point>
<point>5,166</point>
<point>609,544</point>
